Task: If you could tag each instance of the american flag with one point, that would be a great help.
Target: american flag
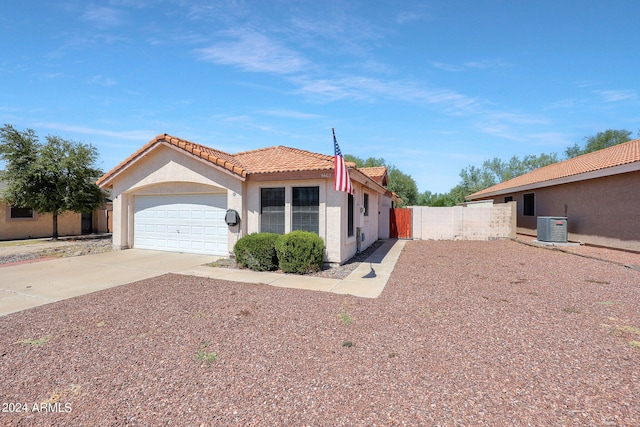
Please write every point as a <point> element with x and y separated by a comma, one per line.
<point>341,180</point>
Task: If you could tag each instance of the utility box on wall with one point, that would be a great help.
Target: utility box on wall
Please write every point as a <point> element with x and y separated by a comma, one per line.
<point>552,229</point>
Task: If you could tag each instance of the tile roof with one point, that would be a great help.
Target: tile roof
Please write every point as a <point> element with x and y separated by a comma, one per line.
<point>618,155</point>
<point>283,159</point>
<point>377,173</point>
<point>265,160</point>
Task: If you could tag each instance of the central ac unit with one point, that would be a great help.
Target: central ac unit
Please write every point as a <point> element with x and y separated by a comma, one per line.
<point>552,229</point>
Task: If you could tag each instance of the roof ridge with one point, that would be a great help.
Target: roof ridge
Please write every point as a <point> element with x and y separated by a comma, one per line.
<point>284,147</point>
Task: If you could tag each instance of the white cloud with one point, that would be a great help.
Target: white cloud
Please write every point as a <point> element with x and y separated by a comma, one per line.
<point>103,16</point>
<point>446,67</point>
<point>252,51</point>
<point>134,135</point>
<point>102,81</point>
<point>616,95</point>
<point>485,64</point>
<point>367,88</point>
<point>289,114</point>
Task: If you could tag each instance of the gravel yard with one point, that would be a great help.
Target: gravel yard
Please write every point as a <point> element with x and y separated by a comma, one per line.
<point>12,251</point>
<point>464,334</point>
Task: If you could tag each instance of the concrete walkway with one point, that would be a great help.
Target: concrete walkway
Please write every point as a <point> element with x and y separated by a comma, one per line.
<point>32,284</point>
<point>367,280</point>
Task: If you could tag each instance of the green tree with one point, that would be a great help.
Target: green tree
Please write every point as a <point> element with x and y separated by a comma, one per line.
<point>599,141</point>
<point>399,182</point>
<point>55,177</point>
<point>440,199</point>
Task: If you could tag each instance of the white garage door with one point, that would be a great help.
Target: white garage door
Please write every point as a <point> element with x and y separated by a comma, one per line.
<point>181,223</point>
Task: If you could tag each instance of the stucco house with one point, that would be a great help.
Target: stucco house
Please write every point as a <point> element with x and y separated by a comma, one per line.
<point>25,223</point>
<point>176,195</point>
<point>598,192</point>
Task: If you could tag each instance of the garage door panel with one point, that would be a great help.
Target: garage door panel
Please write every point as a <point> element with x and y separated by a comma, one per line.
<point>186,223</point>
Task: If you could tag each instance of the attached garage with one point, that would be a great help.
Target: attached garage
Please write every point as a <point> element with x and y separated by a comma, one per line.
<point>191,223</point>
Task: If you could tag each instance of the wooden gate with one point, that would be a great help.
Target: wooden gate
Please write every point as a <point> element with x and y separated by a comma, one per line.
<point>400,223</point>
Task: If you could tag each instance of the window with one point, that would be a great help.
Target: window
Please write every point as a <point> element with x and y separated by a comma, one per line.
<point>20,213</point>
<point>349,215</point>
<point>508,199</point>
<point>366,204</point>
<point>529,204</point>
<point>305,209</point>
<point>272,210</point>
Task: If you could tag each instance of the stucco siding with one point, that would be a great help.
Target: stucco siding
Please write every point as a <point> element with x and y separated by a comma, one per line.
<point>164,171</point>
<point>69,224</point>
<point>603,211</point>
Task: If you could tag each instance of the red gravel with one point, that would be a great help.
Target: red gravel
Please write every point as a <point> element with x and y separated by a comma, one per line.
<point>465,334</point>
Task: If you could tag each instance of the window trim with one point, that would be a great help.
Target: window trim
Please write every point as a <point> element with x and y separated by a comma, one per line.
<point>295,212</point>
<point>10,216</point>
<point>365,202</point>
<point>526,209</point>
<point>283,212</point>
<point>350,215</point>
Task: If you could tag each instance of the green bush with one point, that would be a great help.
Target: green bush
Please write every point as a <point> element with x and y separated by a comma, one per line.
<point>257,251</point>
<point>300,252</point>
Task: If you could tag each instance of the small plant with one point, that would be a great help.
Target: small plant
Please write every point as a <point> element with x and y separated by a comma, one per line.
<point>36,343</point>
<point>598,282</point>
<point>347,343</point>
<point>631,329</point>
<point>346,319</point>
<point>206,356</point>
<point>571,310</point>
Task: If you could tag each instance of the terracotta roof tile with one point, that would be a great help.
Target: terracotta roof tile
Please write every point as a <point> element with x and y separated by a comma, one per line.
<point>265,160</point>
<point>377,173</point>
<point>618,155</point>
<point>283,159</point>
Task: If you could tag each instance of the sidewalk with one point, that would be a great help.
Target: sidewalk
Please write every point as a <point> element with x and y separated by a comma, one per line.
<point>366,281</point>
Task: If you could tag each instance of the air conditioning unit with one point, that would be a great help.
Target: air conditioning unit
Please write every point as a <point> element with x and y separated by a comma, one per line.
<point>552,229</point>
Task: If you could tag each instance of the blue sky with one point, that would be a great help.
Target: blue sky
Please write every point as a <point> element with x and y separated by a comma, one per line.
<point>430,86</point>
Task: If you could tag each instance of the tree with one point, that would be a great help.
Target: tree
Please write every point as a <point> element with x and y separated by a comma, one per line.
<point>55,177</point>
<point>440,199</point>
<point>399,182</point>
<point>606,139</point>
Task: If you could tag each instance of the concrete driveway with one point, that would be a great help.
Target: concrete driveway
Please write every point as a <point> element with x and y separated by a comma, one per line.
<point>29,285</point>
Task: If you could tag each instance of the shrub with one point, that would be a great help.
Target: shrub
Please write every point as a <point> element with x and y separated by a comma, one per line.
<point>300,252</point>
<point>257,251</point>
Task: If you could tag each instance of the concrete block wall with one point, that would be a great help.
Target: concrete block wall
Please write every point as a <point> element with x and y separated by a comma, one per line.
<point>474,222</point>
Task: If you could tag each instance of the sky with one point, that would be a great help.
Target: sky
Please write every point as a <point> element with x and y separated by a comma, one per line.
<point>431,87</point>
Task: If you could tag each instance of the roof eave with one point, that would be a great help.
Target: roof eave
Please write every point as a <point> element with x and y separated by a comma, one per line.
<point>106,180</point>
<point>601,173</point>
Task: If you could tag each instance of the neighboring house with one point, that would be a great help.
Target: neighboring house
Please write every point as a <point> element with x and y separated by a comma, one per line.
<point>598,192</point>
<point>177,195</point>
<point>24,223</point>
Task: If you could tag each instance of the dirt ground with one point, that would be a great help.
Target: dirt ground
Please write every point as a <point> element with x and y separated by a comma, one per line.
<point>22,250</point>
<point>464,334</point>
